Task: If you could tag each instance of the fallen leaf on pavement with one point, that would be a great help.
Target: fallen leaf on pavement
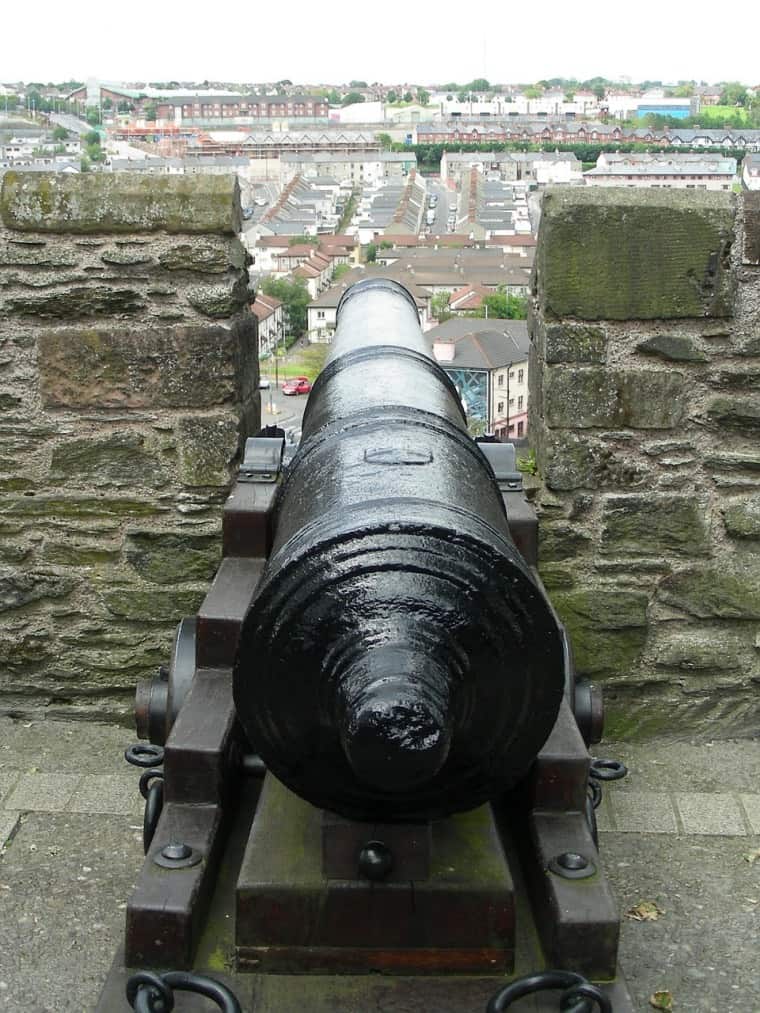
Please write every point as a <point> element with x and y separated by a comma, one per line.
<point>662,1000</point>
<point>645,911</point>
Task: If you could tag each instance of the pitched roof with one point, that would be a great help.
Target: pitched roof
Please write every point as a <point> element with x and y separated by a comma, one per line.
<point>483,344</point>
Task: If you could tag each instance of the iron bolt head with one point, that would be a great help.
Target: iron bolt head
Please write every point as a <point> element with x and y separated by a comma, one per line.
<point>375,861</point>
<point>572,860</point>
<point>176,851</point>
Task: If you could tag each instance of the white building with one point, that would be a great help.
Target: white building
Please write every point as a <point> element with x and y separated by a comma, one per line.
<point>680,171</point>
<point>751,172</point>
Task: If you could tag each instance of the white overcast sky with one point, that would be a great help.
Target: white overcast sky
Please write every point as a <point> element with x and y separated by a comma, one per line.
<point>391,41</point>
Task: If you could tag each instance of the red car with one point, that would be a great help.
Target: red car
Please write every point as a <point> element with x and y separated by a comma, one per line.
<point>298,385</point>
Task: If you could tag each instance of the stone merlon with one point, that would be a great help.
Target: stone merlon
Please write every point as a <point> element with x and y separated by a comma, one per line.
<point>119,203</point>
<point>635,254</point>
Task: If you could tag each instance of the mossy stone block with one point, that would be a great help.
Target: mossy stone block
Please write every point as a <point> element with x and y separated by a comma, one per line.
<point>194,366</point>
<point>76,302</point>
<point>224,299</point>
<point>734,461</point>
<point>738,414</point>
<point>742,517</point>
<point>607,628</point>
<point>747,378</point>
<point>580,343</point>
<point>35,256</point>
<point>121,459</point>
<point>70,553</point>
<point>635,525</point>
<point>204,257</point>
<point>120,202</point>
<point>555,575</point>
<point>730,591</point>
<point>673,348</point>
<point>587,397</point>
<point>561,541</point>
<point>580,398</point>
<point>751,254</point>
<point>126,258</point>
<point>76,508</point>
<point>8,402</point>
<point>20,589</point>
<point>152,606</point>
<point>568,461</point>
<point>173,557</point>
<point>208,446</point>
<point>633,254</point>
<point>695,649</point>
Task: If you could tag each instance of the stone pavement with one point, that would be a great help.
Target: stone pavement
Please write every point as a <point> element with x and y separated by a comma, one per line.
<point>682,832</point>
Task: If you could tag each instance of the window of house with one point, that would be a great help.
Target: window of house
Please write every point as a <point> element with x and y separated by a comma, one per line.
<point>500,407</point>
<point>320,314</point>
<point>520,402</point>
<point>500,380</point>
<point>511,374</point>
<point>511,402</point>
<point>520,374</point>
<point>520,428</point>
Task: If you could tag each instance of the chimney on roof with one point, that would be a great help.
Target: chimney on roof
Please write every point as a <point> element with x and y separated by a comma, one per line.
<point>443,350</point>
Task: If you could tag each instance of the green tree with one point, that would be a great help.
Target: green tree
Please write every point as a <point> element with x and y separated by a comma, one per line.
<point>391,97</point>
<point>370,254</point>
<point>125,107</point>
<point>93,116</point>
<point>295,296</point>
<point>533,92</point>
<point>333,97</point>
<point>599,91</point>
<point>479,84</point>
<point>439,307</point>
<point>351,98</point>
<point>423,96</point>
<point>107,104</point>
<point>340,270</point>
<point>502,306</point>
<point>357,84</point>
<point>150,112</point>
<point>384,140</point>
<point>60,133</point>
<point>733,94</point>
<point>463,96</point>
<point>92,137</point>
<point>408,97</point>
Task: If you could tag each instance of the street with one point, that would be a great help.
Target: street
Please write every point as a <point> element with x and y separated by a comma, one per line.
<point>445,197</point>
<point>282,410</point>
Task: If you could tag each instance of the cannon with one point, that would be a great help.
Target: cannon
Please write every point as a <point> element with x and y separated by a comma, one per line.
<point>372,730</point>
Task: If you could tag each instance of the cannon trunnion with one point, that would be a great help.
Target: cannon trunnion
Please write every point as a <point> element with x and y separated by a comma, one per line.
<point>372,725</point>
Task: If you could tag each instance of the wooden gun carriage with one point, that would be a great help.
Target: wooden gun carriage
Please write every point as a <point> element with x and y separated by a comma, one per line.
<point>375,780</point>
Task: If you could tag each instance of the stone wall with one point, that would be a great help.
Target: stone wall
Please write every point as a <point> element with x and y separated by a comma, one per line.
<point>128,380</point>
<point>645,414</point>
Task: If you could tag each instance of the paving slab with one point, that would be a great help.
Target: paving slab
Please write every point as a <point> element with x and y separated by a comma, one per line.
<point>683,830</point>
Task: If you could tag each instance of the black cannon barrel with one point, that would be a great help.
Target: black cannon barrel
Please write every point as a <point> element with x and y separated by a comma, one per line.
<point>398,661</point>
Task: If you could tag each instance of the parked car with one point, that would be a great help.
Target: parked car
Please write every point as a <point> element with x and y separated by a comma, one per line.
<point>264,383</point>
<point>298,385</point>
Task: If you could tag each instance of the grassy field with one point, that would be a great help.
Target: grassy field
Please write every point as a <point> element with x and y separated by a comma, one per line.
<point>306,361</point>
<point>721,113</point>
